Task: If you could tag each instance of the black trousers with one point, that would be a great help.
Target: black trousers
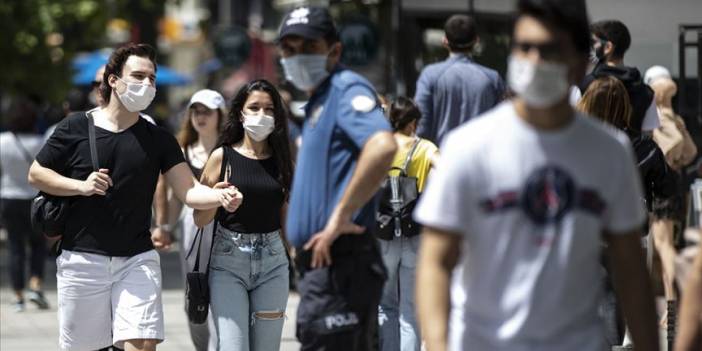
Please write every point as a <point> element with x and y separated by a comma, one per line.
<point>15,217</point>
<point>339,303</point>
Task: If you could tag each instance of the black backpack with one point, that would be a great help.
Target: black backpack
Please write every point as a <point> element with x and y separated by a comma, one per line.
<point>49,212</point>
<point>397,197</point>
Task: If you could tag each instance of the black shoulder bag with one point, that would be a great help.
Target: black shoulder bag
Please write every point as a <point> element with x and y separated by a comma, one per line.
<point>398,196</point>
<point>197,285</point>
<point>49,212</point>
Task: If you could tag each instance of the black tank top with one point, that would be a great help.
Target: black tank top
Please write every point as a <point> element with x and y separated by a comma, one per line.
<point>257,180</point>
<point>197,172</point>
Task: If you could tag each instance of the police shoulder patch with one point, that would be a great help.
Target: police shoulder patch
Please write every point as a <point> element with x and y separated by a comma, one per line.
<point>362,103</point>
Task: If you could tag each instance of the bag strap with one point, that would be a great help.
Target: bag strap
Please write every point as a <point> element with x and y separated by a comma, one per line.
<point>198,235</point>
<point>27,156</point>
<point>409,155</point>
<point>209,259</point>
<point>225,171</point>
<point>198,238</point>
<point>91,140</point>
<point>224,174</point>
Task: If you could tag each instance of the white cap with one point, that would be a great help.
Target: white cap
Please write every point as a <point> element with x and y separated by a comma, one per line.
<point>210,98</point>
<point>656,72</point>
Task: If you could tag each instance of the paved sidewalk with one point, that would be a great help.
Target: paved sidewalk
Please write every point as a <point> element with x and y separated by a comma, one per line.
<point>38,330</point>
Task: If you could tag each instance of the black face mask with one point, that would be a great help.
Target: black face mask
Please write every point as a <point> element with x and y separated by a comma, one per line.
<point>597,55</point>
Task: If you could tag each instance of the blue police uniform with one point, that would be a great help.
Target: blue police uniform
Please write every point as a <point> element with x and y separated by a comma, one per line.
<point>338,303</point>
<point>340,117</point>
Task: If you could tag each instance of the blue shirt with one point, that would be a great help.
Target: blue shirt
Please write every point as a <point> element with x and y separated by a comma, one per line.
<point>451,92</point>
<point>341,116</point>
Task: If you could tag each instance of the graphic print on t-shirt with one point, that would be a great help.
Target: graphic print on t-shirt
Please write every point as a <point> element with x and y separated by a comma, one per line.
<point>548,195</point>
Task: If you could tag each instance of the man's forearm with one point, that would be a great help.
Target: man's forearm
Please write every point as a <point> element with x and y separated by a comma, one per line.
<point>433,304</point>
<point>50,182</point>
<point>639,309</point>
<point>633,288</point>
<point>373,164</point>
<point>438,255</point>
<point>201,197</point>
<point>190,191</point>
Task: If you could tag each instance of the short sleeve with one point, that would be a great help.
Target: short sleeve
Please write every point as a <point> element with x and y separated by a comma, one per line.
<point>360,115</point>
<point>446,201</point>
<point>57,150</point>
<point>171,153</point>
<point>625,209</point>
<point>429,148</point>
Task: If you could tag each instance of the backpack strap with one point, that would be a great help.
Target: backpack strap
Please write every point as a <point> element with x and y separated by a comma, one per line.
<point>27,156</point>
<point>409,155</point>
<point>91,140</point>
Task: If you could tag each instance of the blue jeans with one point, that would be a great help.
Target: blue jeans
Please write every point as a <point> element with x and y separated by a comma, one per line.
<point>248,290</point>
<point>396,314</point>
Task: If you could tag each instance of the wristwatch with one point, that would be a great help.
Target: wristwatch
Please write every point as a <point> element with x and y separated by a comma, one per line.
<point>165,227</point>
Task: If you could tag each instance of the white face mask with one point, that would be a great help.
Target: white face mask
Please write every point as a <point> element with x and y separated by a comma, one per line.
<point>137,96</point>
<point>258,127</point>
<point>540,85</point>
<point>305,71</point>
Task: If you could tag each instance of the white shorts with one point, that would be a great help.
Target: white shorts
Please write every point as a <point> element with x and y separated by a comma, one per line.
<point>105,300</point>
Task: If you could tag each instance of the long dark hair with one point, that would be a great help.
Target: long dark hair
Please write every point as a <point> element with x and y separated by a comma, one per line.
<point>233,131</point>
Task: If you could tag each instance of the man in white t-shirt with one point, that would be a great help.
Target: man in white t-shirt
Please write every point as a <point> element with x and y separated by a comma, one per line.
<point>516,211</point>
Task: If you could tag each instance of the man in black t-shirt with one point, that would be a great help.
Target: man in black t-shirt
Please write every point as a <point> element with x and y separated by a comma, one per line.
<point>109,277</point>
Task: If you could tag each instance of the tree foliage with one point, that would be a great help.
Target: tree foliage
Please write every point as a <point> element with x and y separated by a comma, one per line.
<point>40,38</point>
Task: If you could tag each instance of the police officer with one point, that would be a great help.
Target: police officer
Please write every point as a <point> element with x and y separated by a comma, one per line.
<point>347,148</point>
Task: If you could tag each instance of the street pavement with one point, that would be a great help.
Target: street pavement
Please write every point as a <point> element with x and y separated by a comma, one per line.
<point>38,330</point>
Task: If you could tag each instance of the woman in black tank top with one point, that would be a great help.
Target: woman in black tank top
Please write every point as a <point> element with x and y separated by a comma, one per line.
<point>197,137</point>
<point>249,266</point>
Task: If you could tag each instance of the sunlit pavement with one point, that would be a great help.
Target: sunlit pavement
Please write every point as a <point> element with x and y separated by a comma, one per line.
<point>38,330</point>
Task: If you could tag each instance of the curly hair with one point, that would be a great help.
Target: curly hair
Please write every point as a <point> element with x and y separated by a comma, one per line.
<point>115,65</point>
